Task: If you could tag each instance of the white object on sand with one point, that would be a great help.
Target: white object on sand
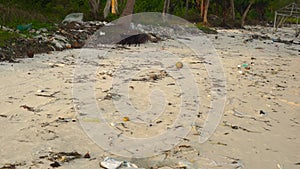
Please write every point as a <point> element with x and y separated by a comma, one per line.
<point>110,163</point>
<point>73,17</point>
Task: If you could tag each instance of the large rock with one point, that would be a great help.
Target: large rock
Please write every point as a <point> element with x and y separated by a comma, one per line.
<point>73,17</point>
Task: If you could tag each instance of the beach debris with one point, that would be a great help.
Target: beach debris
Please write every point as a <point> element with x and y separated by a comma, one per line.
<point>179,65</point>
<point>236,162</point>
<point>45,93</point>
<point>53,65</point>
<point>129,165</point>
<point>110,163</point>
<point>64,36</point>
<point>125,119</point>
<point>87,155</point>
<point>153,76</point>
<point>259,47</point>
<point>107,72</point>
<point>246,66</point>
<point>8,166</point>
<point>184,164</point>
<point>262,113</point>
<point>75,44</point>
<point>68,46</point>
<point>113,124</point>
<point>241,72</point>
<point>139,79</point>
<point>159,121</point>
<point>288,42</point>
<point>55,164</point>
<point>222,144</point>
<point>260,37</point>
<point>73,17</point>
<point>30,54</point>
<point>3,115</point>
<point>257,37</point>
<point>235,127</point>
<point>58,158</point>
<point>279,166</point>
<point>24,27</point>
<point>27,107</point>
<point>13,165</point>
<point>240,114</point>
<point>64,120</point>
<point>58,45</point>
<point>108,96</point>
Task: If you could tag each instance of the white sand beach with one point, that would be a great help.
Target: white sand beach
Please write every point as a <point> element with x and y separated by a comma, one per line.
<point>259,126</point>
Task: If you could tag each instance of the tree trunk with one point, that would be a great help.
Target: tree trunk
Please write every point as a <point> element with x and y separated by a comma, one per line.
<point>165,7</point>
<point>114,7</point>
<point>205,22</point>
<point>198,3</point>
<point>168,6</point>
<point>94,7</point>
<point>128,8</point>
<point>232,9</point>
<point>186,7</point>
<point>107,8</point>
<point>202,9</point>
<point>245,13</point>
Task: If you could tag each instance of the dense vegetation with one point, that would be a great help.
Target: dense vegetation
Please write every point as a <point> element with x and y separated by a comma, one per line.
<point>14,12</point>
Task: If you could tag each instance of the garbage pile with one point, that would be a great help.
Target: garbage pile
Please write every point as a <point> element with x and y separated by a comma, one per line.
<point>71,33</point>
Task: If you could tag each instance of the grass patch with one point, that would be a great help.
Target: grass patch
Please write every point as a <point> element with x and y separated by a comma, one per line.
<point>38,24</point>
<point>12,16</point>
<point>206,29</point>
<point>6,35</point>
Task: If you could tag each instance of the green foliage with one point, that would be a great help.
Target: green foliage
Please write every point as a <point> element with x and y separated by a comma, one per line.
<point>6,35</point>
<point>206,29</point>
<point>112,17</point>
<point>43,13</point>
<point>12,16</point>
<point>36,24</point>
<point>50,10</point>
<point>148,6</point>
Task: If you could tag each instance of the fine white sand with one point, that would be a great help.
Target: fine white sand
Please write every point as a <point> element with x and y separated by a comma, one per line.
<point>259,128</point>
